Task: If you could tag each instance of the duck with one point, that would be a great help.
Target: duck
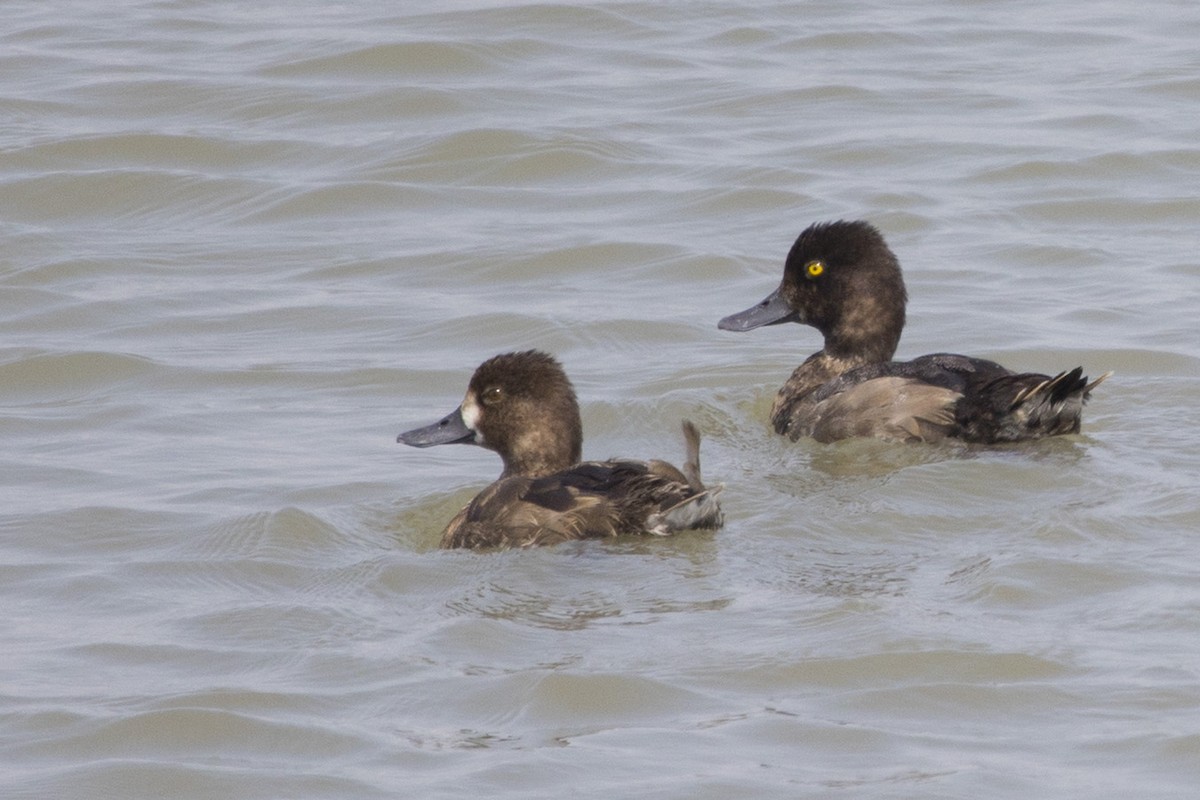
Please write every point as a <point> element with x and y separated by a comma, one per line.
<point>522,406</point>
<point>841,278</point>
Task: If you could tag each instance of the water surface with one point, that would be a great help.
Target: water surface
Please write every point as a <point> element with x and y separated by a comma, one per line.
<point>243,247</point>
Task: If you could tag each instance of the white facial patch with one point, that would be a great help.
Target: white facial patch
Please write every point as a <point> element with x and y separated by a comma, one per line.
<point>471,413</point>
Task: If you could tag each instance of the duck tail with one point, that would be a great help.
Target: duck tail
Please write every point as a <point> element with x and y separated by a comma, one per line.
<point>691,461</point>
<point>702,509</point>
<point>1054,405</point>
<point>1087,390</point>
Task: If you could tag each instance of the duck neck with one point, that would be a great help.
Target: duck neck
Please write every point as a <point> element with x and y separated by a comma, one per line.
<point>544,451</point>
<point>869,334</point>
<point>531,467</point>
<point>856,351</point>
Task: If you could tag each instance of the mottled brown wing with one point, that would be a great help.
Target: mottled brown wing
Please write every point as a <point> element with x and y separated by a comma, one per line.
<point>595,499</point>
<point>524,512</point>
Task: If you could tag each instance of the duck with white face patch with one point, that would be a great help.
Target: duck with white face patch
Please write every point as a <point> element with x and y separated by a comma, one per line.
<point>522,406</point>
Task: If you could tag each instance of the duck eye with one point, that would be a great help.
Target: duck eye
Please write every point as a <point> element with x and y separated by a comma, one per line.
<point>815,269</point>
<point>492,395</point>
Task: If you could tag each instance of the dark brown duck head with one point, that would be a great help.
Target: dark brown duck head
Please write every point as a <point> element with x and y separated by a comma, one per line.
<point>521,405</point>
<point>842,279</point>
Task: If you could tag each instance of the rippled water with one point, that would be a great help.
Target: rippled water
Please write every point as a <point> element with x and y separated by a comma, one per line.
<point>245,245</point>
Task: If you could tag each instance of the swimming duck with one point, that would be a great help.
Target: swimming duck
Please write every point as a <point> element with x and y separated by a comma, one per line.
<point>842,279</point>
<point>523,406</point>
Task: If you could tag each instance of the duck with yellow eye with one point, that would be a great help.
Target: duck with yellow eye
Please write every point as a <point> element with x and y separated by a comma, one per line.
<point>842,279</point>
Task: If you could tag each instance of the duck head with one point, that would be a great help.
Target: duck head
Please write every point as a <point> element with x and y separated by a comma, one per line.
<point>842,279</point>
<point>522,406</point>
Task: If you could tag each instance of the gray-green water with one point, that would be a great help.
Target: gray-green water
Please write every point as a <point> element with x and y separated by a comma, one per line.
<point>243,246</point>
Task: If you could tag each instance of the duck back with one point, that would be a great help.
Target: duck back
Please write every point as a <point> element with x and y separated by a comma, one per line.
<point>592,500</point>
<point>935,397</point>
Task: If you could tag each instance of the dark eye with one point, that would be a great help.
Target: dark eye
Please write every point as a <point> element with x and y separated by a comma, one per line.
<point>492,395</point>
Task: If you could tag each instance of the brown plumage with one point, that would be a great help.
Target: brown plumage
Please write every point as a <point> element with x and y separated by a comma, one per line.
<point>842,279</point>
<point>523,406</point>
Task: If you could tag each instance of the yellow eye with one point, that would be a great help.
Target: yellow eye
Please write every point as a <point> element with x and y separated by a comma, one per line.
<point>815,269</point>
<point>492,395</point>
